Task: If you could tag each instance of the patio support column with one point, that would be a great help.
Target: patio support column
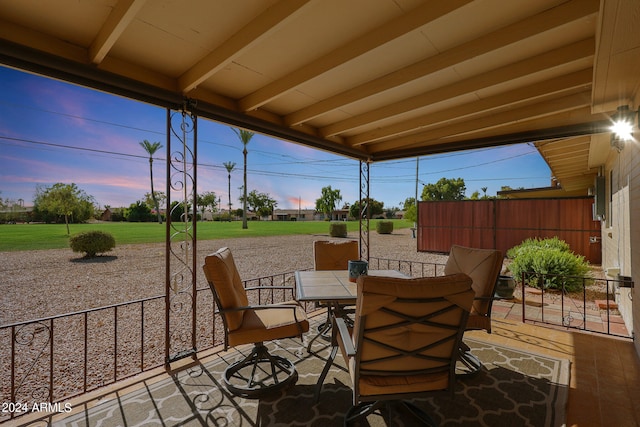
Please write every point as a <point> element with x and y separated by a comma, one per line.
<point>365,210</point>
<point>180,243</point>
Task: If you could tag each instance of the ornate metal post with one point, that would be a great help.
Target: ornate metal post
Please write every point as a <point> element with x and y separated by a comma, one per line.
<point>365,211</point>
<point>180,249</point>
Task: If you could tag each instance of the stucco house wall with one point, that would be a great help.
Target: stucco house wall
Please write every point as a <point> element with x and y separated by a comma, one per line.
<point>621,228</point>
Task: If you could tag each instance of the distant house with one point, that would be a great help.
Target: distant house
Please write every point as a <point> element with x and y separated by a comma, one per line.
<point>294,214</point>
<point>340,215</point>
<point>106,215</point>
<point>17,212</point>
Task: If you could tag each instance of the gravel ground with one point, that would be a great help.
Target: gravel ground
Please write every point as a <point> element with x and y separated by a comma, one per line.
<point>36,284</point>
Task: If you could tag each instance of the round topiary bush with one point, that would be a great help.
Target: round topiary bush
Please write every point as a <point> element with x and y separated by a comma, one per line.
<point>92,242</point>
<point>338,229</point>
<point>384,227</point>
<point>553,263</point>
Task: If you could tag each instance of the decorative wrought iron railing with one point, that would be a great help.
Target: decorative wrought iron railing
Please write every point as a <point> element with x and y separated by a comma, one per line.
<point>576,302</point>
<point>56,358</point>
<point>410,268</point>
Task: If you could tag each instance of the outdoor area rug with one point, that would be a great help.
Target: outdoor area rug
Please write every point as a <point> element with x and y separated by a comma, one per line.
<point>516,388</point>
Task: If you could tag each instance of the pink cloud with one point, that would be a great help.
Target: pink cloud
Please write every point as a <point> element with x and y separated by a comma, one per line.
<point>304,203</point>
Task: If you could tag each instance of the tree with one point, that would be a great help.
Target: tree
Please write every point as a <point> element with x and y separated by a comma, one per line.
<point>245,136</point>
<point>328,200</point>
<point>410,209</point>
<point>205,200</point>
<point>151,148</point>
<point>260,203</point>
<point>161,199</point>
<point>139,212</point>
<point>229,166</point>
<point>65,200</point>
<point>375,208</point>
<point>445,189</point>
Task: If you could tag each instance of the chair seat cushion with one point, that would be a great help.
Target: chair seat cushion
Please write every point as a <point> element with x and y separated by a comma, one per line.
<point>269,324</point>
<point>372,385</point>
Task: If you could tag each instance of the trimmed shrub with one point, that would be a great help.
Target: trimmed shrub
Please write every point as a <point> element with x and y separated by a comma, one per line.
<point>555,265</point>
<point>537,243</point>
<point>338,229</point>
<point>92,242</point>
<point>384,227</point>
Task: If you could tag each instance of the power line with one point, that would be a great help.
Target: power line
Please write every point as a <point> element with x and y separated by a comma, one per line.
<point>71,147</point>
<point>201,140</point>
<point>259,172</point>
<point>73,116</point>
<point>204,165</point>
<point>294,161</point>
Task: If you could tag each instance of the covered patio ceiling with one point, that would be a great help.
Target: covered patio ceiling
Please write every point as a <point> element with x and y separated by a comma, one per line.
<point>370,79</point>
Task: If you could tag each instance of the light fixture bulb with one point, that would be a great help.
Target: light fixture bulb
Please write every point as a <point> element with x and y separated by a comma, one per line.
<point>623,129</point>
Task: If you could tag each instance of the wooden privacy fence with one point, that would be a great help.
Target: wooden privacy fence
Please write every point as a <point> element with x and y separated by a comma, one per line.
<point>504,223</point>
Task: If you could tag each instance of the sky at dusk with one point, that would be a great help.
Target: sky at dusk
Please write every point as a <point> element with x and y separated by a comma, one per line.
<point>51,131</point>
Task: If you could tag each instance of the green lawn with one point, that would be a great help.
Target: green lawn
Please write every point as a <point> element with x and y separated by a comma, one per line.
<point>25,237</point>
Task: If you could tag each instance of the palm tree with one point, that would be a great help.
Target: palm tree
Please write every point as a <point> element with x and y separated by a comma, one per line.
<point>229,166</point>
<point>151,148</point>
<point>245,136</point>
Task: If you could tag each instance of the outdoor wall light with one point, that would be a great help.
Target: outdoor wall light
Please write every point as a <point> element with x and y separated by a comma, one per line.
<point>622,127</point>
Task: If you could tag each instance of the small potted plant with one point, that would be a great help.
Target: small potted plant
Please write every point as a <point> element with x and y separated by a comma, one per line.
<point>505,285</point>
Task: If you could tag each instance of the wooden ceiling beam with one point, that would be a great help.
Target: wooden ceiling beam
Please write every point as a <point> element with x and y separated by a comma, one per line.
<point>561,126</point>
<point>505,36</point>
<point>569,157</point>
<point>578,80</point>
<point>255,31</point>
<point>117,21</point>
<point>551,145</point>
<point>554,58</point>
<point>579,156</point>
<point>563,174</point>
<point>569,150</point>
<point>528,112</point>
<point>27,37</point>
<point>398,27</point>
<point>591,123</point>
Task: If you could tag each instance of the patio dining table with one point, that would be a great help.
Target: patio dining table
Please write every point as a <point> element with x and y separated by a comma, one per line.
<point>332,288</point>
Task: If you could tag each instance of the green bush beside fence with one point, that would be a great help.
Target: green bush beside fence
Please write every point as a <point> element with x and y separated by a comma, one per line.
<point>555,265</point>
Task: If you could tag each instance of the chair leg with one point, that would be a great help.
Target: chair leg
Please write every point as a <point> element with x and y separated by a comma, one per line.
<point>468,364</point>
<point>323,331</point>
<point>361,411</point>
<point>325,371</point>
<point>259,373</point>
